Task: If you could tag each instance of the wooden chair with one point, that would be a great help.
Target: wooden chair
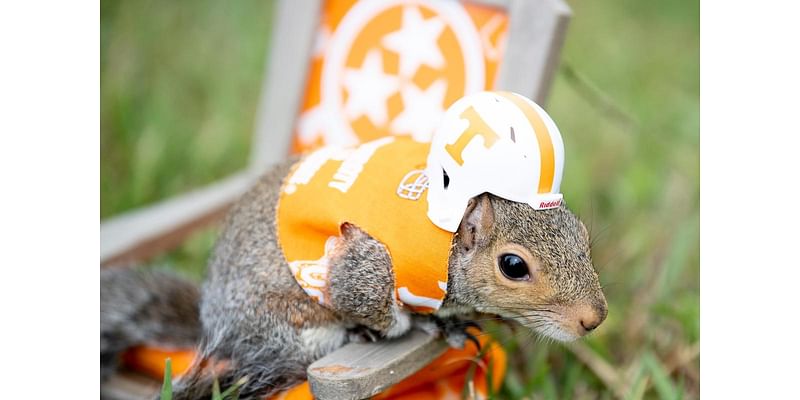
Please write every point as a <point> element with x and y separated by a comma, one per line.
<point>531,33</point>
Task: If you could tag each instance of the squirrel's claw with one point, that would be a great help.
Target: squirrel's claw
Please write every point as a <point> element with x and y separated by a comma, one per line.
<point>474,340</point>
<point>472,324</point>
<point>453,330</point>
<point>362,334</point>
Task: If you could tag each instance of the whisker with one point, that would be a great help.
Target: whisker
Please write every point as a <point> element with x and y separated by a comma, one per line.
<point>525,308</point>
<point>466,321</point>
<point>594,238</point>
<point>529,309</point>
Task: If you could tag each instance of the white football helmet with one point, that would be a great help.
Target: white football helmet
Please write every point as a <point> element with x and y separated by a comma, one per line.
<point>495,142</point>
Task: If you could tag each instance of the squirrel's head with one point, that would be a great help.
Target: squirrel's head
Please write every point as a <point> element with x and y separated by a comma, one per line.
<point>532,266</point>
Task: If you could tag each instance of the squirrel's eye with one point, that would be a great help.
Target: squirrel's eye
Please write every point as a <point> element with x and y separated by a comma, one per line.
<point>513,267</point>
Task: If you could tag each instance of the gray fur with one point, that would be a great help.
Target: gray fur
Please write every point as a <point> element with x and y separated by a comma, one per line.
<point>370,302</point>
<point>253,311</point>
<point>258,323</point>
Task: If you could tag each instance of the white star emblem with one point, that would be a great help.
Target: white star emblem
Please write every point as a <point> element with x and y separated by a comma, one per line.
<point>422,110</point>
<point>368,88</point>
<point>416,42</point>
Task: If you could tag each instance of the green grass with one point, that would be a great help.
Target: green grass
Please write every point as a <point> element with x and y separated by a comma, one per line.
<point>231,393</point>
<point>166,387</point>
<point>179,90</point>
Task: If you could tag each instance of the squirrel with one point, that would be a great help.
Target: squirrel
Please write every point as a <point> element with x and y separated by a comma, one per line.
<point>528,261</point>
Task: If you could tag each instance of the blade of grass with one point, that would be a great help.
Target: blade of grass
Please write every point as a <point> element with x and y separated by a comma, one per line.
<point>215,394</point>
<point>661,380</point>
<point>573,375</point>
<point>549,390</point>
<point>233,391</point>
<point>539,368</point>
<point>639,388</point>
<point>166,388</point>
<point>513,385</point>
<point>468,391</point>
<point>601,368</point>
<point>637,376</point>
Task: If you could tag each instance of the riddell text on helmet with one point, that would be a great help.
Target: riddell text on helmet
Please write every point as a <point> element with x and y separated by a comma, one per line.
<point>550,204</point>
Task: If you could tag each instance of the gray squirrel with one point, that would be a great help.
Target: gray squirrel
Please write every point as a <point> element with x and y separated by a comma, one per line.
<point>526,259</point>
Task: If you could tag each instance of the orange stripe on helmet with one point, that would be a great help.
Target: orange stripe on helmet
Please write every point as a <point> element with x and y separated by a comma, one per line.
<point>547,157</point>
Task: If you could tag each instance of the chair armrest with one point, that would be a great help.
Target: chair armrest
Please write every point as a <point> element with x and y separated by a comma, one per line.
<point>362,370</point>
<point>145,232</point>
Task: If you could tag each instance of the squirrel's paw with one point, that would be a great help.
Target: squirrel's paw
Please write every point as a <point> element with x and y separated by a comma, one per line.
<point>401,323</point>
<point>453,330</point>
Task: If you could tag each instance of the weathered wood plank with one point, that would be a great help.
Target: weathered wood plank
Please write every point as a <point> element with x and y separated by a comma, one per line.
<point>361,370</point>
<point>129,386</point>
<point>145,232</point>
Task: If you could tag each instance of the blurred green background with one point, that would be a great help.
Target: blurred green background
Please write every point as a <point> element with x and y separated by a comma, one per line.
<point>179,89</point>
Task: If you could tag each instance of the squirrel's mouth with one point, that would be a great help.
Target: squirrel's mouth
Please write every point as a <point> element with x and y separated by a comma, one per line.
<point>560,322</point>
<point>555,331</point>
<point>548,322</point>
<point>546,325</point>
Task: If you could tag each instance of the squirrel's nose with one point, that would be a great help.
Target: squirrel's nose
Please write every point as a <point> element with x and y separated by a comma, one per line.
<point>591,316</point>
<point>590,325</point>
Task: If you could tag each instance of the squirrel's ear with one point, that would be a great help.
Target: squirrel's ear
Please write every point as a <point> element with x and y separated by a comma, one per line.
<point>350,231</point>
<point>477,221</point>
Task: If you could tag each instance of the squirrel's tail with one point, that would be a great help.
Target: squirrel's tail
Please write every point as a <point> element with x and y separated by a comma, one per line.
<point>147,307</point>
<point>141,306</point>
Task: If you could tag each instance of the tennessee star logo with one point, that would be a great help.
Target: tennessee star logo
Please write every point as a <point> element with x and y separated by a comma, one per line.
<point>393,67</point>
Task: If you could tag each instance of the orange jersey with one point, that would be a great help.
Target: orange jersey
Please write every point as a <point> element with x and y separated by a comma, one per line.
<point>380,187</point>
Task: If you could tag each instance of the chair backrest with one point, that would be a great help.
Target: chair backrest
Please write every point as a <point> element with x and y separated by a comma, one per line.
<point>344,71</point>
<point>376,68</point>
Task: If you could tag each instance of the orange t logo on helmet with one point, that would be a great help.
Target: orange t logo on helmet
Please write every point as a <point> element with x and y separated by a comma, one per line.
<point>477,127</point>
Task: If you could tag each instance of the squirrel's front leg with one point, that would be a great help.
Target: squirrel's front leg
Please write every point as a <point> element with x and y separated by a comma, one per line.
<point>361,283</point>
